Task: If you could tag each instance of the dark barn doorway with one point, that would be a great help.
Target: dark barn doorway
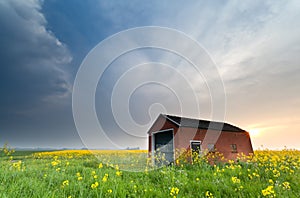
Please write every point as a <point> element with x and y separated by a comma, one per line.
<point>164,147</point>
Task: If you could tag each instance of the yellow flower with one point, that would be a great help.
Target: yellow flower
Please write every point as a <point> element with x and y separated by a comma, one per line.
<point>269,191</point>
<point>209,194</point>
<point>231,161</point>
<point>109,190</point>
<point>276,173</point>
<point>80,178</point>
<point>104,179</point>
<point>255,174</point>
<point>100,165</point>
<point>235,180</point>
<point>17,165</point>
<point>286,185</point>
<point>118,173</point>
<point>94,185</point>
<point>65,183</point>
<point>54,163</point>
<point>174,191</point>
<point>78,174</point>
<point>271,181</point>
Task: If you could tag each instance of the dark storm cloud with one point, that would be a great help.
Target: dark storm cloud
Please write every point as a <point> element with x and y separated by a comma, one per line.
<point>31,58</point>
<point>34,82</point>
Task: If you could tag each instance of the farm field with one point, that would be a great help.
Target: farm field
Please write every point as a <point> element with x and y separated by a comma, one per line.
<point>79,173</point>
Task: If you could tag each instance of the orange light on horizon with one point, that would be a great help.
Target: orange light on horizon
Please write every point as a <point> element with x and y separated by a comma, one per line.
<point>254,132</point>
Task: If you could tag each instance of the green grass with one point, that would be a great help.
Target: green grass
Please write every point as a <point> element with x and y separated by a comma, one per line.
<point>26,175</point>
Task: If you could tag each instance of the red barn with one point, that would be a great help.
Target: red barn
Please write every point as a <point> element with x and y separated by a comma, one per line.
<point>170,133</point>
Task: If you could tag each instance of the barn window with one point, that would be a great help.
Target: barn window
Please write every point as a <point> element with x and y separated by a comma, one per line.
<point>233,148</point>
<point>195,146</point>
<point>211,147</point>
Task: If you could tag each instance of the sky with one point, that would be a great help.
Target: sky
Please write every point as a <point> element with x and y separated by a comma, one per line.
<point>254,45</point>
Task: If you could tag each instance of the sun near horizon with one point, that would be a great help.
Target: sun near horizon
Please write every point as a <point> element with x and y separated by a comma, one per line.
<point>254,132</point>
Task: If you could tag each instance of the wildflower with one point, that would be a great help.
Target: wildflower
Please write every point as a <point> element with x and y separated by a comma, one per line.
<point>54,163</point>
<point>286,185</point>
<point>65,183</point>
<point>276,173</point>
<point>100,165</point>
<point>79,178</point>
<point>118,173</point>
<point>174,191</point>
<point>231,161</point>
<point>239,188</point>
<point>104,179</point>
<point>78,174</point>
<point>271,181</point>
<point>95,176</point>
<point>269,191</point>
<point>94,185</point>
<point>235,180</point>
<point>109,190</point>
<point>255,175</point>
<point>17,165</point>
<point>197,179</point>
<point>209,194</point>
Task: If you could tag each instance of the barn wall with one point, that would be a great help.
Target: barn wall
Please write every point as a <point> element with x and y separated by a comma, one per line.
<point>241,139</point>
<point>184,135</point>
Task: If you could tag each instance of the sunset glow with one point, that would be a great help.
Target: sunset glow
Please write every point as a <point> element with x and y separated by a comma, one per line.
<point>254,132</point>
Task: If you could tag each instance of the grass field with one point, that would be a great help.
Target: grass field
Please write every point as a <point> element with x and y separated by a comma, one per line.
<point>111,174</point>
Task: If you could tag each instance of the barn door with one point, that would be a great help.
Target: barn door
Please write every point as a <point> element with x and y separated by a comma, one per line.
<point>164,147</point>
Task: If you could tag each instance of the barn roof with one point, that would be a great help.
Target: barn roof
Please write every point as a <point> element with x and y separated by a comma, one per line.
<point>202,124</point>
